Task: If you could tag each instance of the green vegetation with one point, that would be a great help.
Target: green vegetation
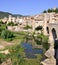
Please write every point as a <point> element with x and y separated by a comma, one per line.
<point>20,33</point>
<point>51,10</point>
<point>12,24</point>
<point>6,34</point>
<point>33,61</point>
<point>2,57</point>
<point>44,11</point>
<point>17,56</point>
<point>27,27</point>
<point>6,14</point>
<point>9,35</point>
<point>2,27</point>
<point>38,38</point>
<point>1,22</point>
<point>43,40</point>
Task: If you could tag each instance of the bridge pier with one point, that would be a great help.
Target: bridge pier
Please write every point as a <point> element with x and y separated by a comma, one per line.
<point>51,51</point>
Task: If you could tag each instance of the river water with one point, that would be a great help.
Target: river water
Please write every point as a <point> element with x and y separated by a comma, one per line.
<point>31,52</point>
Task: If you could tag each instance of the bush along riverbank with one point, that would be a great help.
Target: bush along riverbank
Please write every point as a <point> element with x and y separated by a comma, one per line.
<point>16,52</point>
<point>38,41</point>
<point>17,56</point>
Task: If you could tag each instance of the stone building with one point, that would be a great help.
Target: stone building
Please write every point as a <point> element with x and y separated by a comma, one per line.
<point>5,19</point>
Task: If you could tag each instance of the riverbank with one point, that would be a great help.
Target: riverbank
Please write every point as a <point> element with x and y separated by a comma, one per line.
<point>18,56</point>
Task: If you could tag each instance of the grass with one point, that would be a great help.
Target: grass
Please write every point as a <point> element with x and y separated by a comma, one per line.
<point>18,38</point>
<point>17,54</point>
<point>20,33</point>
<point>35,61</point>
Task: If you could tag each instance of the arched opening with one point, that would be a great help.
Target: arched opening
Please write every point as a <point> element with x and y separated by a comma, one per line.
<point>54,33</point>
<point>39,28</point>
<point>48,21</point>
<point>55,45</point>
<point>47,30</point>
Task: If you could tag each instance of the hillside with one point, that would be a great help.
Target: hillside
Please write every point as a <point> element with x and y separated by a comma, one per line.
<point>6,14</point>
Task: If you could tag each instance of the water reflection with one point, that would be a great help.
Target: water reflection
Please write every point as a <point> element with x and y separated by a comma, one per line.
<point>30,52</point>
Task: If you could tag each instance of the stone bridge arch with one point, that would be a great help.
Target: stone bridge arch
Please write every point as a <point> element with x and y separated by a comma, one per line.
<point>53,32</point>
<point>47,29</point>
<point>51,52</point>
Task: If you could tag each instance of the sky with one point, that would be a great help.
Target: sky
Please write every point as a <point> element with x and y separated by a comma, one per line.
<point>27,7</point>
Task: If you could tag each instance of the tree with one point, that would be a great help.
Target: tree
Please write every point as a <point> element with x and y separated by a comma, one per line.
<point>44,11</point>
<point>11,24</point>
<point>49,10</point>
<point>27,27</point>
<point>56,10</point>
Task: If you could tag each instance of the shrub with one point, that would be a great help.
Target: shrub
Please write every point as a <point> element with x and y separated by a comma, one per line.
<point>2,57</point>
<point>27,27</point>
<point>5,34</point>
<point>11,24</point>
<point>1,22</point>
<point>44,11</point>
<point>43,40</point>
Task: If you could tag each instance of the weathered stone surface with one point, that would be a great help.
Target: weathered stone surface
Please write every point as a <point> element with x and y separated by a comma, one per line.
<point>49,62</point>
<point>1,47</point>
<point>8,62</point>
<point>50,52</point>
<point>5,52</point>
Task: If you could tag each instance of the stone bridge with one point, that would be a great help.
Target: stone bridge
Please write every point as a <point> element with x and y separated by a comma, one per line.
<point>52,32</point>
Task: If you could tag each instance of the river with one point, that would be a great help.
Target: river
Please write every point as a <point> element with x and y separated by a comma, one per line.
<point>31,52</point>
